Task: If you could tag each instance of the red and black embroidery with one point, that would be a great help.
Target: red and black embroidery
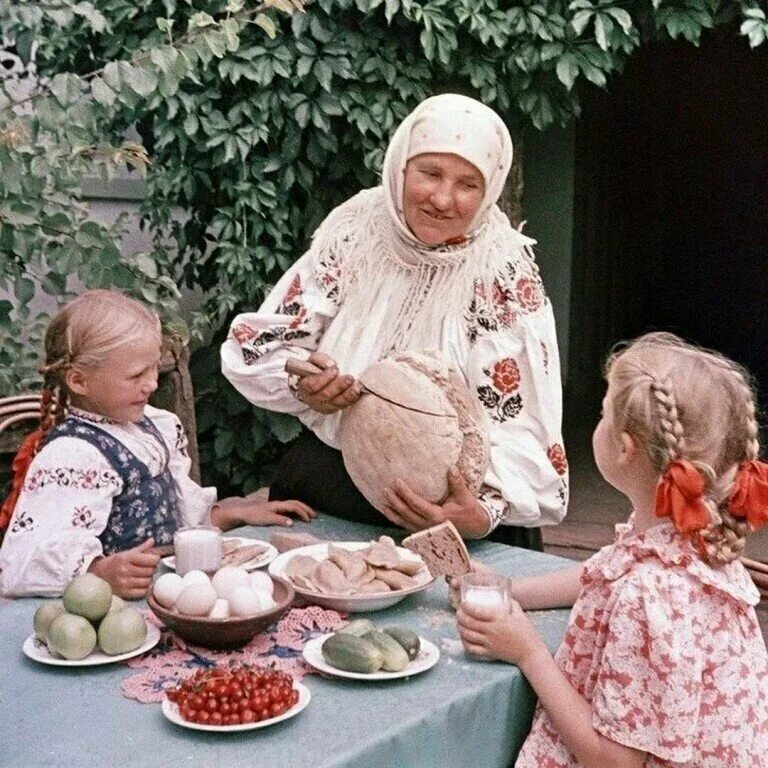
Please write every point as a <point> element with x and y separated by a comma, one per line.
<point>492,308</point>
<point>181,443</point>
<point>67,477</point>
<point>254,342</point>
<point>23,522</point>
<point>494,505</point>
<point>82,517</point>
<point>328,276</point>
<point>501,398</point>
<point>557,458</point>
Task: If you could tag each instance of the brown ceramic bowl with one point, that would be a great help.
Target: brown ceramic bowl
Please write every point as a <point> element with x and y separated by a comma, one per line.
<point>224,634</point>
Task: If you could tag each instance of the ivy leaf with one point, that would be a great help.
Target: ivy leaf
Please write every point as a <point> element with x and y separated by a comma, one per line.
<point>230,28</point>
<point>23,290</point>
<point>216,42</point>
<point>266,23</point>
<point>391,7</point>
<point>622,17</point>
<point>284,427</point>
<point>66,88</point>
<point>54,284</point>
<point>142,81</point>
<point>102,92</point>
<point>603,30</point>
<point>580,20</point>
<point>567,70</point>
<point>199,20</point>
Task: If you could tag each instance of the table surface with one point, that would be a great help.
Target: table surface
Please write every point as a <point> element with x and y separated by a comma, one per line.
<point>462,712</point>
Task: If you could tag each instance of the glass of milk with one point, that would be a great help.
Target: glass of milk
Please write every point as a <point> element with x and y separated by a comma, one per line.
<point>197,548</point>
<point>485,590</point>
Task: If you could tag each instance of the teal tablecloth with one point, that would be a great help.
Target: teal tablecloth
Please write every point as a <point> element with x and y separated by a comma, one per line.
<point>460,713</point>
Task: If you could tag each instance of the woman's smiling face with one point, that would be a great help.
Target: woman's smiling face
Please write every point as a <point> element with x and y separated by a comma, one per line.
<point>441,196</point>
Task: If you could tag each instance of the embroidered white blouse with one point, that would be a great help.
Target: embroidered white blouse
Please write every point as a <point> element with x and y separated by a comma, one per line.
<point>52,534</point>
<point>505,346</point>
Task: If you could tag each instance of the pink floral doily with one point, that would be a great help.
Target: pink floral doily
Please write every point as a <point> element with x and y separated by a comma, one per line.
<point>280,647</point>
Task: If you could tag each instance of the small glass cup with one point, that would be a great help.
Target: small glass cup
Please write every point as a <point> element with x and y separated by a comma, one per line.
<point>197,547</point>
<point>484,589</point>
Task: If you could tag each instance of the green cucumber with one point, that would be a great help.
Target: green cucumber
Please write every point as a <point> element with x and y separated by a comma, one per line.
<point>393,655</point>
<point>407,638</point>
<point>351,653</point>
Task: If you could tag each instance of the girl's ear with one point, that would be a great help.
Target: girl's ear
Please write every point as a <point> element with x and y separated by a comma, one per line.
<point>628,448</point>
<point>75,380</point>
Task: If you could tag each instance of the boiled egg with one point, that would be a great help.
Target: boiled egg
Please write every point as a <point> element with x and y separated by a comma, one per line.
<point>227,579</point>
<point>196,600</point>
<point>220,609</point>
<point>245,602</point>
<point>262,582</point>
<point>167,589</point>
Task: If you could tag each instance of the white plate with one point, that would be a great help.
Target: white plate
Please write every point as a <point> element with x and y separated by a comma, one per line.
<point>171,711</point>
<point>265,558</point>
<point>427,658</point>
<point>348,603</point>
<point>38,651</point>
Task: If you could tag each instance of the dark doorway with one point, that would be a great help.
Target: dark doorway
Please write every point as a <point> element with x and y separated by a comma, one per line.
<point>671,223</point>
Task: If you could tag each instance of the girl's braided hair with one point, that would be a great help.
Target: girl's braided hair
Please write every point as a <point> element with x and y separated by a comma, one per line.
<point>684,402</point>
<point>82,334</point>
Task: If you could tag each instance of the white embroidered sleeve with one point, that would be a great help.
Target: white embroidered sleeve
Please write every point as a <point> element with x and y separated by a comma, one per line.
<point>515,374</point>
<point>195,501</point>
<point>64,505</point>
<point>289,323</point>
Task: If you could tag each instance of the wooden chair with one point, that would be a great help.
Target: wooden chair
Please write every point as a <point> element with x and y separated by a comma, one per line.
<point>18,408</point>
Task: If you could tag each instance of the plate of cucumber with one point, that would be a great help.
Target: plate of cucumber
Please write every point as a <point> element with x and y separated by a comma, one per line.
<point>361,651</point>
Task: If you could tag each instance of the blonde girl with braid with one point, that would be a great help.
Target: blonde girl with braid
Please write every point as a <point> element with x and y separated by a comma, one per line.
<point>106,477</point>
<point>663,663</point>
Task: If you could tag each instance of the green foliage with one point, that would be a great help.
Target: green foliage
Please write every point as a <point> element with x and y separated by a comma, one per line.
<point>257,136</point>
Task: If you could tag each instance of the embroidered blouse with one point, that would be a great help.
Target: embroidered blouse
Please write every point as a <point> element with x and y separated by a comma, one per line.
<point>67,499</point>
<point>668,652</point>
<point>504,345</point>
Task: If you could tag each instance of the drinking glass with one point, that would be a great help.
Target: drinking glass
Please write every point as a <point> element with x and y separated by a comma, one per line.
<point>197,548</point>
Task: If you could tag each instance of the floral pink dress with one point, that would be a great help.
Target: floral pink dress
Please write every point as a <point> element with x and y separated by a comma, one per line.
<point>668,652</point>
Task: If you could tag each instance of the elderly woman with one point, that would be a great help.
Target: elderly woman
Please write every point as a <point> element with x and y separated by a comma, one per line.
<point>424,261</point>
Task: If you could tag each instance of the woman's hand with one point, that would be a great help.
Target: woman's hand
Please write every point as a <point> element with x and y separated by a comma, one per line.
<point>255,510</point>
<point>414,513</point>
<point>507,635</point>
<point>327,392</point>
<point>129,573</point>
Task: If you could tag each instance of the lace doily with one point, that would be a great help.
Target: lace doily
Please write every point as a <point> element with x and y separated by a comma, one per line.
<point>280,647</point>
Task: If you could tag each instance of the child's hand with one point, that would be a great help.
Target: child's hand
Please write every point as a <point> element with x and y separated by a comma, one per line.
<point>506,636</point>
<point>129,573</point>
<point>254,510</point>
<point>453,582</point>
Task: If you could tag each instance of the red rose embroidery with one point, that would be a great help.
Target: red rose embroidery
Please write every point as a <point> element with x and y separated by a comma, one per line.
<point>506,375</point>
<point>528,294</point>
<point>557,456</point>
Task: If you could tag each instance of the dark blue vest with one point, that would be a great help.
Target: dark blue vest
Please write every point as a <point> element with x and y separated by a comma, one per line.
<point>147,506</point>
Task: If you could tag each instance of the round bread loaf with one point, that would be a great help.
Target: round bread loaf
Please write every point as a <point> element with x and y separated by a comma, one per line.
<point>382,441</point>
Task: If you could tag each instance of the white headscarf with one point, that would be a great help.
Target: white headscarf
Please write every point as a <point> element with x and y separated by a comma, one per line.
<point>370,244</point>
<point>456,125</point>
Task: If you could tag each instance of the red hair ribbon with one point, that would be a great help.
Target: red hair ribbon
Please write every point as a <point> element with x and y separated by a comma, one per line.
<point>20,465</point>
<point>749,498</point>
<point>679,495</point>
